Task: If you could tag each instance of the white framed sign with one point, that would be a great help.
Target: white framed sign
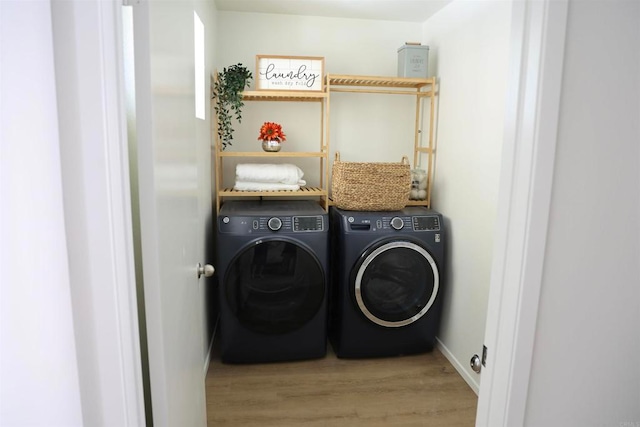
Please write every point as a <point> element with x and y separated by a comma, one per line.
<point>275,72</point>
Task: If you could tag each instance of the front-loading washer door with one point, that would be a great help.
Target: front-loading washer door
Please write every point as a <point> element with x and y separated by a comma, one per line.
<point>274,286</point>
<point>395,283</point>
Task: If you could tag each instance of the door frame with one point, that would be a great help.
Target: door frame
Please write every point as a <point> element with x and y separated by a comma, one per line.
<point>87,42</point>
<point>526,183</point>
<point>537,46</point>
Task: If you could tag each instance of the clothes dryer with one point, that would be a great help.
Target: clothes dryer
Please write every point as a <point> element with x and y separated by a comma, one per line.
<point>388,270</point>
<point>272,261</point>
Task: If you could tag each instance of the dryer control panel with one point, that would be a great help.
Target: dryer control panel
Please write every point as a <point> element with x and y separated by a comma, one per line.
<point>271,224</point>
<point>308,223</point>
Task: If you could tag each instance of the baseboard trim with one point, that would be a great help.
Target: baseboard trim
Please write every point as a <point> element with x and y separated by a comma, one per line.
<point>207,359</point>
<point>459,367</point>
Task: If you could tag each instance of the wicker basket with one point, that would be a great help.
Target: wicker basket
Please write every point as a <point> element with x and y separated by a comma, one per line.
<point>370,186</point>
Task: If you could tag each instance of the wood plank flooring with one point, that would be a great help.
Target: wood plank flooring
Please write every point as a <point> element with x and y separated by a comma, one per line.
<point>417,390</point>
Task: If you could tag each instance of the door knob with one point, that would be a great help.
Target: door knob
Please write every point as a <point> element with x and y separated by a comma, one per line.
<point>207,270</point>
<point>475,363</point>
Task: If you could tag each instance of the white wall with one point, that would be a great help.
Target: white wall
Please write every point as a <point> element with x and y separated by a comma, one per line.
<point>584,370</point>
<point>469,46</point>
<point>39,383</point>
<point>363,127</point>
<point>350,46</point>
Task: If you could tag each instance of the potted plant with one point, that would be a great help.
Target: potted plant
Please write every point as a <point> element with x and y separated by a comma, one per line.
<point>271,135</point>
<point>227,91</point>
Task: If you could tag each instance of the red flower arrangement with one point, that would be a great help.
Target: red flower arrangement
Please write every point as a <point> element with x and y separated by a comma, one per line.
<point>271,131</point>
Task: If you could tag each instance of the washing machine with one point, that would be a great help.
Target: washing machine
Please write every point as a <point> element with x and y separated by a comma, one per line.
<point>387,286</point>
<point>272,264</point>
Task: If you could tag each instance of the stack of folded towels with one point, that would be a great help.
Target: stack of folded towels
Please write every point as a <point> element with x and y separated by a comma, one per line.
<point>268,177</point>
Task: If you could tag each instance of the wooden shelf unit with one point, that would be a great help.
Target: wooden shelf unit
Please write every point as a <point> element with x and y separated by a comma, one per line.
<point>303,192</point>
<point>277,154</point>
<point>282,95</point>
<point>420,88</point>
<point>321,193</point>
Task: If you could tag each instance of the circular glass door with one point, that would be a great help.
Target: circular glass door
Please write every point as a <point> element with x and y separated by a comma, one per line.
<point>395,283</point>
<point>274,286</point>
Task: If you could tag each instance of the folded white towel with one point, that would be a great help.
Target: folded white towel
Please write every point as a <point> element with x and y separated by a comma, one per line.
<point>265,172</point>
<point>264,186</point>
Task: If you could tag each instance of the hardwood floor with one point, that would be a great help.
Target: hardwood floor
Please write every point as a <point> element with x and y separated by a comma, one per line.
<point>417,390</point>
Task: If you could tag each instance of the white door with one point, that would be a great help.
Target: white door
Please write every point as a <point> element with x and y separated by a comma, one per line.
<point>537,58</point>
<point>174,197</point>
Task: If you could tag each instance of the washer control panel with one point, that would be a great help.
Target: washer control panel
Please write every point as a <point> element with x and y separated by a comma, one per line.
<point>396,222</point>
<point>426,223</point>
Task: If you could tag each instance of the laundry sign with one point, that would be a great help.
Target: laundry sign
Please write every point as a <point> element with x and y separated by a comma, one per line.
<point>302,73</point>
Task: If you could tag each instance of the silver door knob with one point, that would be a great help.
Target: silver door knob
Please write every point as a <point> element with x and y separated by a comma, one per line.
<point>207,270</point>
<point>475,363</point>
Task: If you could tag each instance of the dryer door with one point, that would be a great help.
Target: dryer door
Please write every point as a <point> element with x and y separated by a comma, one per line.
<point>274,286</point>
<point>395,283</point>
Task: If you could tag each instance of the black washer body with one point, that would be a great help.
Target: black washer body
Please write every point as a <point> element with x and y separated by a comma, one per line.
<point>272,265</point>
<point>387,287</point>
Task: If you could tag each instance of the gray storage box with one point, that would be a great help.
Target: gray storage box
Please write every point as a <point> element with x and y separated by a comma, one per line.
<point>413,61</point>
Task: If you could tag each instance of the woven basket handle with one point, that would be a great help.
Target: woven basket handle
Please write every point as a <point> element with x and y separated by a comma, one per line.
<point>404,161</point>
